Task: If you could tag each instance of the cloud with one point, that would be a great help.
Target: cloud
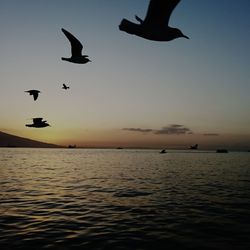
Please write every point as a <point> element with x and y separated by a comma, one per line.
<point>174,129</point>
<point>141,130</point>
<point>211,134</point>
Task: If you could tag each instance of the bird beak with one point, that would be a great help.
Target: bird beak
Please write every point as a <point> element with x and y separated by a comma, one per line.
<point>186,37</point>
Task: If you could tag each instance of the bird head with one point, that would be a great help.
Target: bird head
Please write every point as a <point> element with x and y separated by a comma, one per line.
<point>176,33</point>
<point>180,34</point>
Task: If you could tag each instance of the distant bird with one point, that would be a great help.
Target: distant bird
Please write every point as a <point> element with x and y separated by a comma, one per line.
<point>38,123</point>
<point>65,86</point>
<point>155,25</point>
<point>76,50</point>
<point>33,92</point>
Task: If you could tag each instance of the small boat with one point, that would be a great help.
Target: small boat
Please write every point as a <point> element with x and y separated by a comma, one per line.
<point>221,151</point>
<point>194,146</point>
<point>163,151</point>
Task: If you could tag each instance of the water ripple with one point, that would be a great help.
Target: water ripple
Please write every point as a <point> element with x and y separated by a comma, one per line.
<point>108,199</point>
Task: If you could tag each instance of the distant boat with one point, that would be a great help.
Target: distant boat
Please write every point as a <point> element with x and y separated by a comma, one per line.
<point>163,151</point>
<point>194,146</point>
<point>72,146</point>
<point>221,151</point>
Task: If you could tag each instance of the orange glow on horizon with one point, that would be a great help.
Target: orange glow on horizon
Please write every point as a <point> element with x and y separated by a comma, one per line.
<point>127,139</point>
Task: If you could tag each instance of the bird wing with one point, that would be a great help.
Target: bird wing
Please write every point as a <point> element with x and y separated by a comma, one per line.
<point>159,12</point>
<point>138,19</point>
<point>64,86</point>
<point>37,120</point>
<point>35,95</point>
<point>76,46</point>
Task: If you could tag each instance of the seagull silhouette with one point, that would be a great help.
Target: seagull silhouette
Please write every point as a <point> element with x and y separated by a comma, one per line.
<point>38,123</point>
<point>33,92</point>
<point>155,26</point>
<point>65,87</point>
<point>76,50</point>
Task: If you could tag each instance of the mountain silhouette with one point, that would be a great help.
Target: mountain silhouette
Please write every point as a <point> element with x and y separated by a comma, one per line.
<point>8,140</point>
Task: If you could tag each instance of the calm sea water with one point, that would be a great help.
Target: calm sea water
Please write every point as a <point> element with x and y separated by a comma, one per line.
<point>123,199</point>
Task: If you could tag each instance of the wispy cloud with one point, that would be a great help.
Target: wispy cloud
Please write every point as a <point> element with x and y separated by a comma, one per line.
<point>141,130</point>
<point>174,129</point>
<point>211,134</point>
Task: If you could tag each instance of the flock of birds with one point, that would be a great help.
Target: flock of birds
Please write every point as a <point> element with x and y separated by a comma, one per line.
<point>38,122</point>
<point>154,27</point>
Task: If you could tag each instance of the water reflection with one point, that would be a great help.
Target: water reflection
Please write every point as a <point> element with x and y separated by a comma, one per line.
<point>109,199</point>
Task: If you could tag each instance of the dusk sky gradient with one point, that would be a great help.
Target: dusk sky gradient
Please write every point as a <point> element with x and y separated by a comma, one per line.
<point>133,87</point>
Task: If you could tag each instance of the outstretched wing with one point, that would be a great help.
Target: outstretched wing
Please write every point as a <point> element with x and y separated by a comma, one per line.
<point>35,95</point>
<point>37,120</point>
<point>76,46</point>
<point>138,19</point>
<point>159,12</point>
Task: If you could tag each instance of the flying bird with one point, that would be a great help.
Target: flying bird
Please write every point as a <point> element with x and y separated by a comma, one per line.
<point>38,123</point>
<point>33,92</point>
<point>65,86</point>
<point>76,50</point>
<point>155,25</point>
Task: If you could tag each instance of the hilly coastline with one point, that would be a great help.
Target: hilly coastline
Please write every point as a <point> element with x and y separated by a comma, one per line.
<point>8,140</point>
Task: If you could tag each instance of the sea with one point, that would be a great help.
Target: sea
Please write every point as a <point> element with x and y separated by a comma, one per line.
<point>123,199</point>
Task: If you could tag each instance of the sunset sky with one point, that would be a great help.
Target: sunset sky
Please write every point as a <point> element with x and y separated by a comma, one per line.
<point>135,92</point>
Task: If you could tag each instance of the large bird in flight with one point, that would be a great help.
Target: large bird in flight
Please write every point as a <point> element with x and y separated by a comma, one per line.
<point>155,25</point>
<point>76,50</point>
